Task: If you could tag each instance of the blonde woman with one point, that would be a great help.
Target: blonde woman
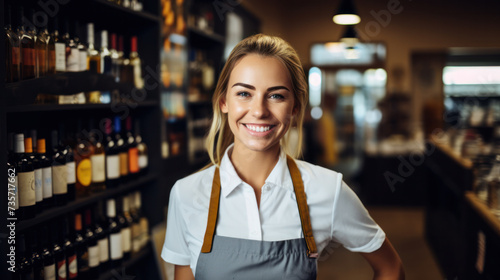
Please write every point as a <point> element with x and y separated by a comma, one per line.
<point>258,213</point>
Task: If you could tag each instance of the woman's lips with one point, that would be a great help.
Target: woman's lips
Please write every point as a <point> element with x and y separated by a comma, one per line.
<point>259,129</point>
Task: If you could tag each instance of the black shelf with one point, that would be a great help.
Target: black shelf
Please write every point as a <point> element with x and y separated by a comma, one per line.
<point>69,107</point>
<point>203,39</point>
<point>79,203</point>
<point>134,259</point>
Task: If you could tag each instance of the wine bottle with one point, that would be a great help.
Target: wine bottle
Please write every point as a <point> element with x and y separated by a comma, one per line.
<point>25,262</point>
<point>28,148</point>
<point>123,150</point>
<point>26,184</point>
<point>93,58</point>
<point>82,49</point>
<point>136,63</point>
<point>82,252</point>
<point>12,57</point>
<point>71,170</point>
<point>59,172</point>
<point>27,43</point>
<point>82,154</point>
<point>143,221</point>
<point>49,265</point>
<point>97,159</point>
<point>51,53</point>
<point>115,64</point>
<point>69,249</point>
<point>58,252</point>
<point>105,64</point>
<point>112,156</point>
<point>136,226</point>
<point>72,60</point>
<point>126,228</point>
<point>46,166</point>
<point>142,150</point>
<point>41,50</point>
<point>102,236</point>
<point>60,49</point>
<point>36,257</point>
<point>115,236</point>
<point>133,152</point>
<point>92,245</point>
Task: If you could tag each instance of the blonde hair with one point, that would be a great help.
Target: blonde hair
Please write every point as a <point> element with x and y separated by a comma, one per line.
<point>220,136</point>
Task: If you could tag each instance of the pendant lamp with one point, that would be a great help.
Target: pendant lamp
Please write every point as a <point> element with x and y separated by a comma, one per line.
<point>346,14</point>
<point>350,36</point>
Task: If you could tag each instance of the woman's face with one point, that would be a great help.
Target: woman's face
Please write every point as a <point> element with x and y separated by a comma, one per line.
<point>259,103</point>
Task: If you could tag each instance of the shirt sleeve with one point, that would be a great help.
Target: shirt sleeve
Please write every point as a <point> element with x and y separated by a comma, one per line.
<point>175,248</point>
<point>352,225</point>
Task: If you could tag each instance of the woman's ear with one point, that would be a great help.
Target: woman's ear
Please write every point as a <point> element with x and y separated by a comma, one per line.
<point>223,105</point>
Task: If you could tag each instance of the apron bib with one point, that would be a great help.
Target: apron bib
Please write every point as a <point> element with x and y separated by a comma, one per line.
<point>234,258</point>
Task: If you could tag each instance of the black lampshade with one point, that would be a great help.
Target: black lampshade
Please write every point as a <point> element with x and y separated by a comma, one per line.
<point>346,14</point>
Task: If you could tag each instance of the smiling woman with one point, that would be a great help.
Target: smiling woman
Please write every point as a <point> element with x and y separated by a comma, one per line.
<point>257,205</point>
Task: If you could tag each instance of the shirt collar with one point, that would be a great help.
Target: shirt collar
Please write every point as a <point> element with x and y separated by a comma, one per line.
<point>280,176</point>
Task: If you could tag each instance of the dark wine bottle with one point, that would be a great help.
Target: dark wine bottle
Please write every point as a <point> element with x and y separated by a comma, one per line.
<point>68,152</point>
<point>69,249</point>
<point>49,265</point>
<point>122,150</point>
<point>102,236</point>
<point>59,172</point>
<point>58,253</point>
<point>25,262</point>
<point>142,149</point>
<point>82,154</point>
<point>36,258</point>
<point>125,231</point>
<point>92,245</point>
<point>28,148</point>
<point>81,249</point>
<point>26,180</point>
<point>133,152</point>
<point>115,235</point>
<point>112,156</point>
<point>46,166</point>
<point>97,159</point>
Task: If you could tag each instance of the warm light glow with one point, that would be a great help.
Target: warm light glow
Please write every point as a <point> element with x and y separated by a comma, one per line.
<point>346,19</point>
<point>475,75</point>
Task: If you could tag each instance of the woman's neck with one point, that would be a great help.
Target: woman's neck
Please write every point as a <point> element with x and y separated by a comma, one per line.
<point>254,167</point>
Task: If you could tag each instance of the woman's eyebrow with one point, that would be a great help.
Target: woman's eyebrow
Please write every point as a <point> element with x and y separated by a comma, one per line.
<point>253,88</point>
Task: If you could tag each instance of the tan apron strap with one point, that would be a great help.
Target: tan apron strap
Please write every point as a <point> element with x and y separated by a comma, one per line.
<point>305,220</point>
<point>213,212</point>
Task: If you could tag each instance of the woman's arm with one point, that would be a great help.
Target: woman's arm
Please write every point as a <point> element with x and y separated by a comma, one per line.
<point>385,262</point>
<point>183,272</point>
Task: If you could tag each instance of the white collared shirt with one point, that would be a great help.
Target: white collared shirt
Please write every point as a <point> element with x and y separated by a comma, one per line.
<point>337,214</point>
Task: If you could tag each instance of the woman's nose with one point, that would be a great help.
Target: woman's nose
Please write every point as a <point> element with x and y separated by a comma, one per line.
<point>259,108</point>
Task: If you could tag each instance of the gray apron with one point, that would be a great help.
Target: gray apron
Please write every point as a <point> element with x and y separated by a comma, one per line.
<point>224,258</point>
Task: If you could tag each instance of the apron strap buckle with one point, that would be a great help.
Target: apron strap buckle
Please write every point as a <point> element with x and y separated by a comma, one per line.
<point>312,255</point>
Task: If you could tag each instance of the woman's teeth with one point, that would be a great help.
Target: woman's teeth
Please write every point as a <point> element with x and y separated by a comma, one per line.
<point>258,128</point>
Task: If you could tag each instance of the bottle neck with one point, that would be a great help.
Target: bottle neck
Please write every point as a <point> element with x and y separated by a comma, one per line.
<point>19,146</point>
<point>111,208</point>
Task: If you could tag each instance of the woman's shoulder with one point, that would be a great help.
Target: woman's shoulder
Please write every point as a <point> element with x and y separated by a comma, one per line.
<point>318,174</point>
<point>195,183</point>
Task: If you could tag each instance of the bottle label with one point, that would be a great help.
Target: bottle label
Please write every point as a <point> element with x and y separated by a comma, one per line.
<point>136,237</point>
<point>59,179</point>
<point>113,166</point>
<point>60,57</point>
<point>72,267</point>
<point>70,166</point>
<point>61,270</point>
<point>126,239</point>
<point>26,187</point>
<point>94,256</point>
<point>38,185</point>
<point>133,160</point>
<point>47,182</point>
<point>73,60</point>
<point>28,57</point>
<point>123,164</point>
<point>143,161</point>
<point>16,193</point>
<point>98,171</point>
<point>84,172</point>
<point>116,250</point>
<point>49,272</point>
<point>103,250</point>
<point>82,63</point>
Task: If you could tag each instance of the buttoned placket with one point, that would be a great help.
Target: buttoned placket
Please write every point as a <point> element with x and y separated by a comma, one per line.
<point>253,215</point>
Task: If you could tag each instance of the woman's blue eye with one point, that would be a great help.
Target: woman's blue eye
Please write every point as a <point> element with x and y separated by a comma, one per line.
<point>277,96</point>
<point>243,94</point>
